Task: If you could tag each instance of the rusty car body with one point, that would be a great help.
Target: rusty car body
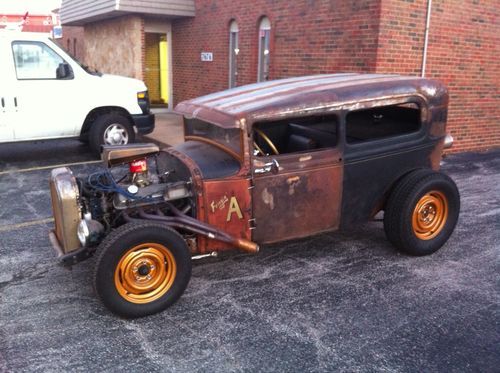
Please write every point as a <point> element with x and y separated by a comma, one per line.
<point>261,163</point>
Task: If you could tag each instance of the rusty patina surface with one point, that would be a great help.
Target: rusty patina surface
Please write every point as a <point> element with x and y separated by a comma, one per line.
<point>228,206</point>
<point>307,194</point>
<point>303,198</point>
<point>311,94</point>
<point>263,163</point>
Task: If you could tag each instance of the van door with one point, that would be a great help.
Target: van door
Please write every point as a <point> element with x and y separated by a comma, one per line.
<point>6,95</point>
<point>43,101</point>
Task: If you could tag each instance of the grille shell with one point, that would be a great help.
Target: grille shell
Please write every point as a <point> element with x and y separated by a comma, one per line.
<point>67,215</point>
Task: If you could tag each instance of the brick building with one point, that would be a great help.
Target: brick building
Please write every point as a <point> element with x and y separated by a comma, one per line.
<point>210,45</point>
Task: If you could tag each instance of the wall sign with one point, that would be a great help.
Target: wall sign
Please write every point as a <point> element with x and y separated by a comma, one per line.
<point>207,56</point>
<point>57,32</point>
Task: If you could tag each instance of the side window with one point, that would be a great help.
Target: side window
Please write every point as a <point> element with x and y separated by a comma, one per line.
<point>382,122</point>
<point>35,60</point>
<point>295,135</point>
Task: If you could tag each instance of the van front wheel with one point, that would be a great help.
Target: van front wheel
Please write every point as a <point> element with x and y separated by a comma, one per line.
<point>110,129</point>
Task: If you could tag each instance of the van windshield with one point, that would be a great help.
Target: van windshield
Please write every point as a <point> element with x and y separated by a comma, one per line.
<point>88,69</point>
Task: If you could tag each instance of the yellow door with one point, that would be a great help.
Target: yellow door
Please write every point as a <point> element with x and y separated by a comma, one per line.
<point>164,69</point>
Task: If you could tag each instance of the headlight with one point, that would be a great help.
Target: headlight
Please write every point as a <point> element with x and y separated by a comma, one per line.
<point>89,232</point>
<point>83,232</point>
<point>143,101</point>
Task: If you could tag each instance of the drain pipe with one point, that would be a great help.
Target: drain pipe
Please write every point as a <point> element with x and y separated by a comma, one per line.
<point>426,38</point>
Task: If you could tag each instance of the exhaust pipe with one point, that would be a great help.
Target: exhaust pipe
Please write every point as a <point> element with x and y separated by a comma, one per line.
<point>182,221</point>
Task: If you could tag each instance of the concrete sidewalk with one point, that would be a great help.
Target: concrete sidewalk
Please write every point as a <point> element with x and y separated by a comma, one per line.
<point>168,129</point>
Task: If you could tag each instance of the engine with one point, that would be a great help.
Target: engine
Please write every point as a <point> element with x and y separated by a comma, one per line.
<point>88,207</point>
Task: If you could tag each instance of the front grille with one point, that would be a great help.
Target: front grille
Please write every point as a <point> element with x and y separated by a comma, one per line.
<point>65,208</point>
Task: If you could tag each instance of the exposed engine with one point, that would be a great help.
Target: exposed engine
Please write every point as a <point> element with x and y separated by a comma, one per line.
<point>109,197</point>
<point>140,184</point>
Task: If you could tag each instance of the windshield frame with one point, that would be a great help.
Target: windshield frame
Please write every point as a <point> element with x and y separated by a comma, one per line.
<point>235,153</point>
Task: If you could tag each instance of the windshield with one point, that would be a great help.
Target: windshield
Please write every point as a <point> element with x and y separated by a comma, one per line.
<point>229,138</point>
<point>87,68</point>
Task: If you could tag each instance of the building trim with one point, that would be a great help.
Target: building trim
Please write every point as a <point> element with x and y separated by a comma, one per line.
<point>81,12</point>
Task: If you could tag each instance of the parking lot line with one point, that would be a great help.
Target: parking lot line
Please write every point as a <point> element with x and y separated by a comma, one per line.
<point>47,167</point>
<point>7,228</point>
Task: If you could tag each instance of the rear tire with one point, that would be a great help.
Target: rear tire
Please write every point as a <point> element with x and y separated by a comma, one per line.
<point>422,212</point>
<point>110,129</point>
<point>142,269</point>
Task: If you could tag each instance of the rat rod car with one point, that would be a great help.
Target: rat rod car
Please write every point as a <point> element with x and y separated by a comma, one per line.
<point>261,163</point>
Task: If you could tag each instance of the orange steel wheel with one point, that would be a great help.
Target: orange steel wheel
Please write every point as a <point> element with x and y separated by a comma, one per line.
<point>430,215</point>
<point>145,273</point>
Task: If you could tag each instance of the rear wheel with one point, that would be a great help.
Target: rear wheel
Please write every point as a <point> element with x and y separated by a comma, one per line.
<point>142,269</point>
<point>110,129</point>
<point>422,212</point>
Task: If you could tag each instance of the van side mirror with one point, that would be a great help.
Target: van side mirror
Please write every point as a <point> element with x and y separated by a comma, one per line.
<point>64,71</point>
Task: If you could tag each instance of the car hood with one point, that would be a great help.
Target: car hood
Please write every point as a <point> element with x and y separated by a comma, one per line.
<point>213,162</point>
<point>123,81</point>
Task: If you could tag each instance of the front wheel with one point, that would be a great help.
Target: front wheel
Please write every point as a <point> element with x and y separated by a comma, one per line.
<point>142,269</point>
<point>110,129</point>
<point>422,212</point>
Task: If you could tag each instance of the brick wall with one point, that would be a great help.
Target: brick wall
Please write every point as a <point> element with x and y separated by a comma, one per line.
<point>307,37</point>
<point>116,46</point>
<point>73,41</point>
<point>401,36</point>
<point>462,52</point>
<point>320,36</point>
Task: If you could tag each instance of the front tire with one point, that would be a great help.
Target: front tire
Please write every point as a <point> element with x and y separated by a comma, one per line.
<point>142,269</point>
<point>110,129</point>
<point>422,212</point>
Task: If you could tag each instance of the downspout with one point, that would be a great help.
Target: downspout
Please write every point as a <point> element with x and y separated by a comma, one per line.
<point>426,38</point>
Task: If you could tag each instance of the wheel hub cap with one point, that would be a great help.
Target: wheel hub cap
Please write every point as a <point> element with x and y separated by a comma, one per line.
<point>430,215</point>
<point>116,134</point>
<point>145,273</point>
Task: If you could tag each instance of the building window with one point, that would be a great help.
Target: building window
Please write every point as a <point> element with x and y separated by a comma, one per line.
<point>74,47</point>
<point>233,54</point>
<point>264,45</point>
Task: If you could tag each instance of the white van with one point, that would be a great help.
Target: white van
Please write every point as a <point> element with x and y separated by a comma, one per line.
<point>46,94</point>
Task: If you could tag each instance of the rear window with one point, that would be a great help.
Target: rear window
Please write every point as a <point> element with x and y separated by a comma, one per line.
<point>382,122</point>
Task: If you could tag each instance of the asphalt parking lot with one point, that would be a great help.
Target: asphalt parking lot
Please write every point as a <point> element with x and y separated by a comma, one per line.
<point>335,302</point>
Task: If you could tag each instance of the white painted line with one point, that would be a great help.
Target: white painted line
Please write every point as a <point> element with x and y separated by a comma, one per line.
<point>47,167</point>
<point>7,228</point>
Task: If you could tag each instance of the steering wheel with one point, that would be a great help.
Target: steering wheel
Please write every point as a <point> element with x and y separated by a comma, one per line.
<point>267,140</point>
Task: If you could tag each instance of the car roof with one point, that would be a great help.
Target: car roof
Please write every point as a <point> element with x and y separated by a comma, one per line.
<point>294,96</point>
